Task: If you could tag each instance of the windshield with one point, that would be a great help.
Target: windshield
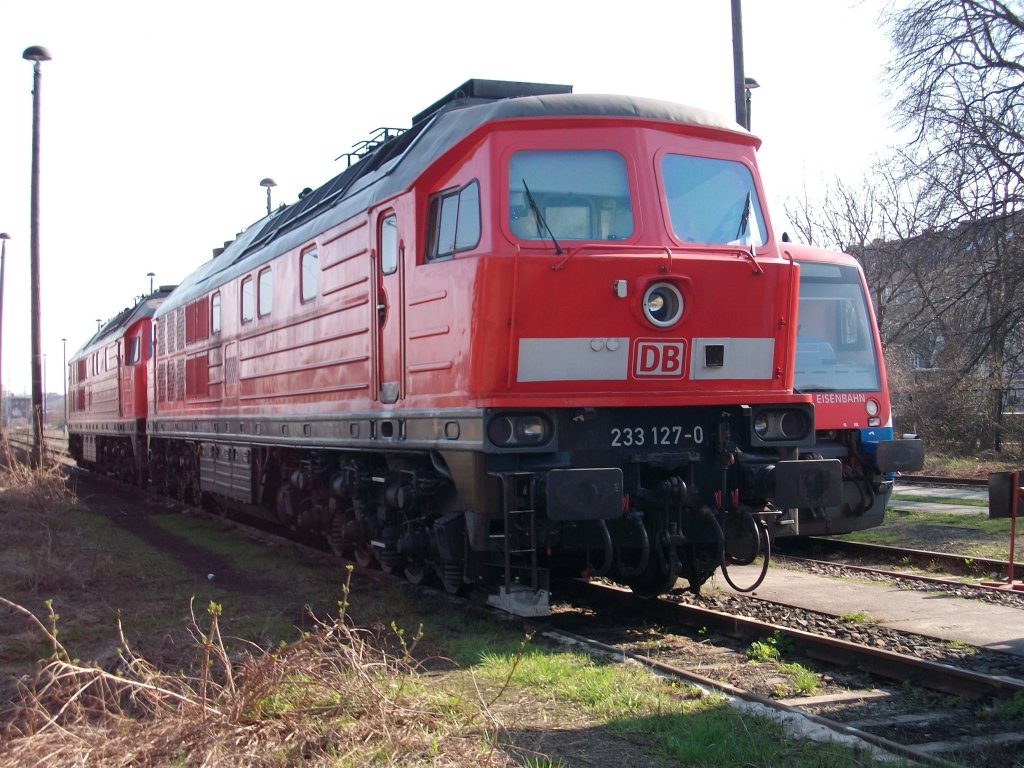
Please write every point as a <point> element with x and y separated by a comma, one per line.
<point>835,349</point>
<point>569,195</point>
<point>712,201</point>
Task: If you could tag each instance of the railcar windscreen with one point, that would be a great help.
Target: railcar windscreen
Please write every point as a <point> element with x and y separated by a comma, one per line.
<point>712,201</point>
<point>835,349</point>
<point>577,194</point>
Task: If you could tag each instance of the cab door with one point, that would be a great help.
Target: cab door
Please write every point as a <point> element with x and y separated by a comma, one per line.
<point>390,306</point>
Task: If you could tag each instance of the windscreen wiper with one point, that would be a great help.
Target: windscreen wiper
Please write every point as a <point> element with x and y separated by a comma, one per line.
<point>748,205</point>
<point>540,218</point>
<point>744,218</point>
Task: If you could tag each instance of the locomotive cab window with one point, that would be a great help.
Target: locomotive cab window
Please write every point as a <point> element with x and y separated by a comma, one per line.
<point>569,195</point>
<point>453,222</point>
<point>247,300</point>
<point>389,244</point>
<point>309,272</point>
<point>215,313</point>
<point>266,292</point>
<point>134,351</point>
<point>712,201</point>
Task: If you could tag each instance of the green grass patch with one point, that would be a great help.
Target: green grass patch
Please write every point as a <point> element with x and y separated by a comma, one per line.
<point>952,500</point>
<point>601,688</point>
<point>678,722</point>
<point>967,520</point>
<point>209,534</point>
<point>770,651</point>
<point>802,679</point>
<point>967,534</point>
<point>1007,709</point>
<point>967,466</point>
<point>719,735</point>
<point>761,651</point>
<point>855,617</point>
<point>769,648</point>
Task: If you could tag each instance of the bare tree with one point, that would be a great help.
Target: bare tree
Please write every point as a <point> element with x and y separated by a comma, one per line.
<point>958,77</point>
<point>938,224</point>
<point>957,74</point>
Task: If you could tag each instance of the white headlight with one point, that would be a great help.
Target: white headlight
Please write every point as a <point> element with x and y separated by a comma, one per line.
<point>663,304</point>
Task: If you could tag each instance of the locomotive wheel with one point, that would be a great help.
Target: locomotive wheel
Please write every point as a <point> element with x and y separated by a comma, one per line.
<point>364,555</point>
<point>451,577</point>
<point>653,582</point>
<point>335,536</point>
<point>700,565</point>
<point>416,571</point>
<point>390,562</point>
<point>653,588</point>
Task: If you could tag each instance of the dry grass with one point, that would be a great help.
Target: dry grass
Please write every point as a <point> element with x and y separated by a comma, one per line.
<point>333,697</point>
<point>36,527</point>
<point>337,696</point>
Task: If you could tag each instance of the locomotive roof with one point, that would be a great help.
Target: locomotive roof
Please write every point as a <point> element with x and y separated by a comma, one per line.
<point>113,328</point>
<point>392,167</point>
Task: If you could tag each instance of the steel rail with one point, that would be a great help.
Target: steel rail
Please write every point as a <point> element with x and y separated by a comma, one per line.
<point>970,482</point>
<point>955,562</point>
<point>896,575</point>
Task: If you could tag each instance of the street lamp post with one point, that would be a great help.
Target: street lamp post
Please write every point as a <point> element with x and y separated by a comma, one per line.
<point>64,342</point>
<point>36,54</point>
<point>749,84</point>
<point>737,61</point>
<point>4,237</point>
<point>268,183</point>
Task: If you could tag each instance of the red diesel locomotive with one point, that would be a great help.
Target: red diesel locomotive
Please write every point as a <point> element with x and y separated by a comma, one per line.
<point>108,392</point>
<point>535,334</point>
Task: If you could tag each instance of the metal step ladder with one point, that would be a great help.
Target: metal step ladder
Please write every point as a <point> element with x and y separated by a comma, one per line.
<point>524,592</point>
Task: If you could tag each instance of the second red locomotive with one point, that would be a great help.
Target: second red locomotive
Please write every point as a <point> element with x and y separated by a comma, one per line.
<point>535,334</point>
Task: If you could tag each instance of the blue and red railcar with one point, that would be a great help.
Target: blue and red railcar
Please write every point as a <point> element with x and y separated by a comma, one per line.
<point>839,362</point>
<point>536,334</point>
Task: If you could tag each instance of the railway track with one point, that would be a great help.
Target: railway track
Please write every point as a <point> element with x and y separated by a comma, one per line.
<point>935,711</point>
<point>951,482</point>
<point>905,703</point>
<point>856,553</point>
<point>21,443</point>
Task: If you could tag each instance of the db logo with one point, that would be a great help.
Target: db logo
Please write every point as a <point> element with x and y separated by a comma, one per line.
<point>660,358</point>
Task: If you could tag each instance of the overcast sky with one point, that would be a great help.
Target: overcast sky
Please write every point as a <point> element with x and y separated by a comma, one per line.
<point>159,119</point>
